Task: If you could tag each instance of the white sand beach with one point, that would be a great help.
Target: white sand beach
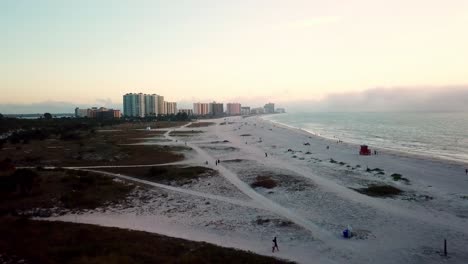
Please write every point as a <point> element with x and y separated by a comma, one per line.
<point>314,201</point>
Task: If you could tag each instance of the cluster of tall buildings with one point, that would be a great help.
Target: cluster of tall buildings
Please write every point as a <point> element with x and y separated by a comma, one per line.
<point>205,109</point>
<point>141,105</point>
<point>217,109</point>
<point>98,113</point>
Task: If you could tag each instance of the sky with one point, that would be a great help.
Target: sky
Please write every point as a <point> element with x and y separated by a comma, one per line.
<point>91,52</point>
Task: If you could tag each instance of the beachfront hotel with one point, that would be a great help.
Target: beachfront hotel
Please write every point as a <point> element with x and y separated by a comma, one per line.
<point>151,104</point>
<point>233,109</point>
<point>212,109</point>
<point>245,110</point>
<point>200,109</point>
<point>216,109</point>
<point>134,104</point>
<point>141,105</point>
<point>170,108</point>
<point>269,108</point>
<point>100,113</point>
<point>161,105</point>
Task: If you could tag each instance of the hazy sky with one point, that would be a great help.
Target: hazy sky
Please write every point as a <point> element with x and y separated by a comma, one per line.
<point>88,50</point>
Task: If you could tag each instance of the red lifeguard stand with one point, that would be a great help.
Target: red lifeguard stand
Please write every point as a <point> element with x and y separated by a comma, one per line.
<point>365,150</point>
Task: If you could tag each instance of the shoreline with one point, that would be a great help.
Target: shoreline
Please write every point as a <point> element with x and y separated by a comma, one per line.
<point>312,201</point>
<point>395,152</point>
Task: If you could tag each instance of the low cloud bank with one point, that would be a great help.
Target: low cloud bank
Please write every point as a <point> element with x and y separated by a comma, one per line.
<point>399,99</point>
<point>436,99</point>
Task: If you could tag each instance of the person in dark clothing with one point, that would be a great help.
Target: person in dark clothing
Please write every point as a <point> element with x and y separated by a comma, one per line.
<point>266,154</point>
<point>466,171</point>
<point>275,245</point>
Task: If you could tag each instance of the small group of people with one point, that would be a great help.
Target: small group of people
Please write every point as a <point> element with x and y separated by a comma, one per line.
<point>217,162</point>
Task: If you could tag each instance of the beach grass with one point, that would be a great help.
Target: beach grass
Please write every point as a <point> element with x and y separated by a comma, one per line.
<point>201,124</point>
<point>165,174</point>
<point>91,149</point>
<point>60,242</point>
<point>380,191</point>
<point>68,189</point>
<point>264,182</point>
<point>399,177</point>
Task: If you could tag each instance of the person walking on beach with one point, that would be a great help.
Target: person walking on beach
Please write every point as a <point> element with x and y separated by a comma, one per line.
<point>466,171</point>
<point>266,155</point>
<point>275,245</point>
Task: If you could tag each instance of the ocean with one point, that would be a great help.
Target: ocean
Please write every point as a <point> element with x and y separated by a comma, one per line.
<point>439,135</point>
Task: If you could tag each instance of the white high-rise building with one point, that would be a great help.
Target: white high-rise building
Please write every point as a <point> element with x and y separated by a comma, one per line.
<point>151,104</point>
<point>171,108</point>
<point>141,105</point>
<point>134,104</point>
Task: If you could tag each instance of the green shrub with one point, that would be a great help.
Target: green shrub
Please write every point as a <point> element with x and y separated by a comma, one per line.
<point>380,191</point>
<point>264,182</point>
<point>399,177</point>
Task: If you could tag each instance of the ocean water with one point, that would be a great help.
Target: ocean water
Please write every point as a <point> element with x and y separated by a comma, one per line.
<point>440,135</point>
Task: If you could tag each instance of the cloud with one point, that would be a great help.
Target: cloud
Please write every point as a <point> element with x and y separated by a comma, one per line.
<point>437,99</point>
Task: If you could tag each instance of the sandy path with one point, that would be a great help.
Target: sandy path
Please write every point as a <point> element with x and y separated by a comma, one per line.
<point>265,203</point>
<point>177,189</point>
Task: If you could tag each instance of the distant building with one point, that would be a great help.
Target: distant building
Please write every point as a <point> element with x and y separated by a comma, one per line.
<point>151,104</point>
<point>161,106</point>
<point>216,109</point>
<point>200,109</point>
<point>170,108</point>
<point>98,113</point>
<point>134,104</point>
<point>189,112</point>
<point>141,105</point>
<point>82,112</point>
<point>269,108</point>
<point>233,109</point>
<point>280,110</point>
<point>257,111</point>
<point>245,110</point>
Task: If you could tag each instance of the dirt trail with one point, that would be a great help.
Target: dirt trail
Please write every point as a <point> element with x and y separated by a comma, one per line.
<point>177,189</point>
<point>265,203</point>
